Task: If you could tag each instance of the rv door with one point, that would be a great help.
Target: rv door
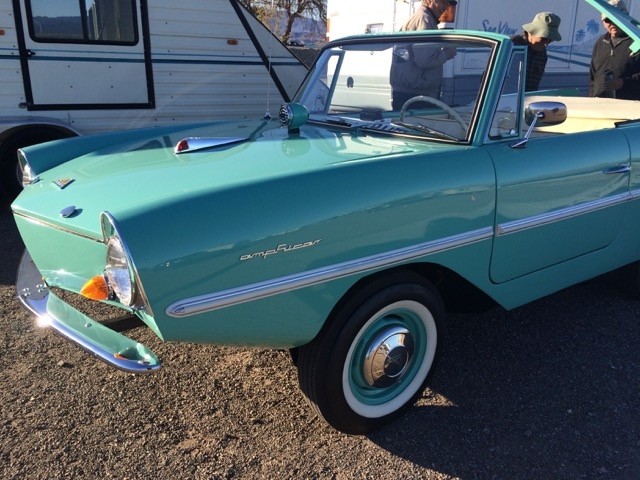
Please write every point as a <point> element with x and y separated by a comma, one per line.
<point>84,54</point>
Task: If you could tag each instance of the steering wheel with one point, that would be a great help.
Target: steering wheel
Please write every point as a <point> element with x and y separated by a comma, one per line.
<point>438,103</point>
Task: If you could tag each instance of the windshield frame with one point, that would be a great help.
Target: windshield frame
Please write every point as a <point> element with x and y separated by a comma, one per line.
<point>336,50</point>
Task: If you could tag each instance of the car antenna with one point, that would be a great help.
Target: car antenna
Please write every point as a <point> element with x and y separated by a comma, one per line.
<point>267,114</point>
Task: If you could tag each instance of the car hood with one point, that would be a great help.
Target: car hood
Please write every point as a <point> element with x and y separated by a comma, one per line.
<point>144,171</point>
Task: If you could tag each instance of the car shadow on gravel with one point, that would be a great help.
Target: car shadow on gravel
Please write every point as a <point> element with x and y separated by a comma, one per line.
<point>12,246</point>
<point>549,390</point>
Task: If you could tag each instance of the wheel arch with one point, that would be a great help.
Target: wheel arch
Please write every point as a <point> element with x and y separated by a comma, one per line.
<point>37,128</point>
<point>457,293</point>
<point>21,135</point>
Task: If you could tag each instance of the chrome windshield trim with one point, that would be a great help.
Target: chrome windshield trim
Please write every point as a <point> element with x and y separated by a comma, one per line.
<point>246,293</point>
<point>516,226</point>
<point>59,227</point>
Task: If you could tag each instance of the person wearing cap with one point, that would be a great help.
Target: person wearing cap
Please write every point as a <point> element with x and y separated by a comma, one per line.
<point>537,35</point>
<point>427,15</point>
<point>417,69</point>
<point>614,71</point>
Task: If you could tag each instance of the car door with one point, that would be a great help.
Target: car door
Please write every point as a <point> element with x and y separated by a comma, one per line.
<point>560,197</point>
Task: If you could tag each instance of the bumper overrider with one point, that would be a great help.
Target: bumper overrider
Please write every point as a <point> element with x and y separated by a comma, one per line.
<point>99,340</point>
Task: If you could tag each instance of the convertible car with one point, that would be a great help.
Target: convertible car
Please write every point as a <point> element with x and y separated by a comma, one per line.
<point>344,229</point>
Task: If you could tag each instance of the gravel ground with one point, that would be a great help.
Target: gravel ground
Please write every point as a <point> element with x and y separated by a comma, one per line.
<point>546,391</point>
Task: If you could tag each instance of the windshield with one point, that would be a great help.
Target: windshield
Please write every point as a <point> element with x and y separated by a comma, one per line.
<point>424,86</point>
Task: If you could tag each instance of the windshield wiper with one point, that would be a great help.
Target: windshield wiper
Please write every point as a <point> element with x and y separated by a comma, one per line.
<point>332,120</point>
<point>339,121</point>
<point>427,130</point>
<point>403,127</point>
<point>390,127</point>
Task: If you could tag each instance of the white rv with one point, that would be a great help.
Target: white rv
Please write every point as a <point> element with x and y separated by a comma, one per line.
<point>569,59</point>
<point>70,67</point>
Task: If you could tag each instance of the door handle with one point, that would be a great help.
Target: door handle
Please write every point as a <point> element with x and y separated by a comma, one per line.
<point>617,169</point>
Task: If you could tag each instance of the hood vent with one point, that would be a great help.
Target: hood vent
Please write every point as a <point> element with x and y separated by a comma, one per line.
<point>193,144</point>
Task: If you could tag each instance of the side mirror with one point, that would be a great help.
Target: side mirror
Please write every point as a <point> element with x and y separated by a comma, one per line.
<point>545,114</point>
<point>541,114</point>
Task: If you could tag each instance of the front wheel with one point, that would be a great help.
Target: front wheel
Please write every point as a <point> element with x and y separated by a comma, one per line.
<point>376,356</point>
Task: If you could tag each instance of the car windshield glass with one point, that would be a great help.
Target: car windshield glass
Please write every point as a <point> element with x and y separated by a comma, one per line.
<point>427,86</point>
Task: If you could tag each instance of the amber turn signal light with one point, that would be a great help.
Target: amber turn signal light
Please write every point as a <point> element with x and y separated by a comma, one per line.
<point>96,288</point>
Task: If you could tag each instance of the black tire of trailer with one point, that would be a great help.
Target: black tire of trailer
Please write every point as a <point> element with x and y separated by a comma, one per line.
<point>10,174</point>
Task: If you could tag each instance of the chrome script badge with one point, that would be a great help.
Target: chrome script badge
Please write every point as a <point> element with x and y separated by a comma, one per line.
<point>282,248</point>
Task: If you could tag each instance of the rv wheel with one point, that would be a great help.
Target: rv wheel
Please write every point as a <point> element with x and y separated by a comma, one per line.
<point>10,173</point>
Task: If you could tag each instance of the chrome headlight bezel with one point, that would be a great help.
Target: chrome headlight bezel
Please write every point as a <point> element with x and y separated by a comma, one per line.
<point>117,271</point>
<point>120,271</point>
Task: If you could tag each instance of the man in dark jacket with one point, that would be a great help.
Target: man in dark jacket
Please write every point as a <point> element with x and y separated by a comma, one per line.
<point>615,71</point>
<point>417,70</point>
<point>537,35</point>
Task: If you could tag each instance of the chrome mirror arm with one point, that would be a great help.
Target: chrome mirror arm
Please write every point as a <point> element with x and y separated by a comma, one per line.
<point>542,114</point>
<point>522,143</point>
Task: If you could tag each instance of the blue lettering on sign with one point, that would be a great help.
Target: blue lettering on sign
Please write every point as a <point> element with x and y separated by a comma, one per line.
<point>503,28</point>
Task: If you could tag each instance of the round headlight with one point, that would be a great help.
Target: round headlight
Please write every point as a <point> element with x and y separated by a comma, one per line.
<point>118,273</point>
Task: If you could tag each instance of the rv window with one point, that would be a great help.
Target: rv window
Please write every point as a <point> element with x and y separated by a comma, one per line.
<point>83,21</point>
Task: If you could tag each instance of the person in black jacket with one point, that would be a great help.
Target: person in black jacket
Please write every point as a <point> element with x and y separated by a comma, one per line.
<point>615,71</point>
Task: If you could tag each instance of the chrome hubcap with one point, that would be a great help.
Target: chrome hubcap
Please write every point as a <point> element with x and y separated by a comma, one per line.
<point>388,356</point>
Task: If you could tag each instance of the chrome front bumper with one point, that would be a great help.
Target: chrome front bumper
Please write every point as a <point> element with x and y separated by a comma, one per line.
<point>108,345</point>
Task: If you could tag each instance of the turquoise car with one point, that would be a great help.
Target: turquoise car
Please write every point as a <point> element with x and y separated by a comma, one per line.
<point>346,227</point>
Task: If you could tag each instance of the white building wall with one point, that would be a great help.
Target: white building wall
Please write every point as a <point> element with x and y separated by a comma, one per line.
<point>355,17</point>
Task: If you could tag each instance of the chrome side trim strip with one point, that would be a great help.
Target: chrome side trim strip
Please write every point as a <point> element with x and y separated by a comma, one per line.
<point>516,226</point>
<point>246,293</point>
<point>635,194</point>
<point>60,228</point>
